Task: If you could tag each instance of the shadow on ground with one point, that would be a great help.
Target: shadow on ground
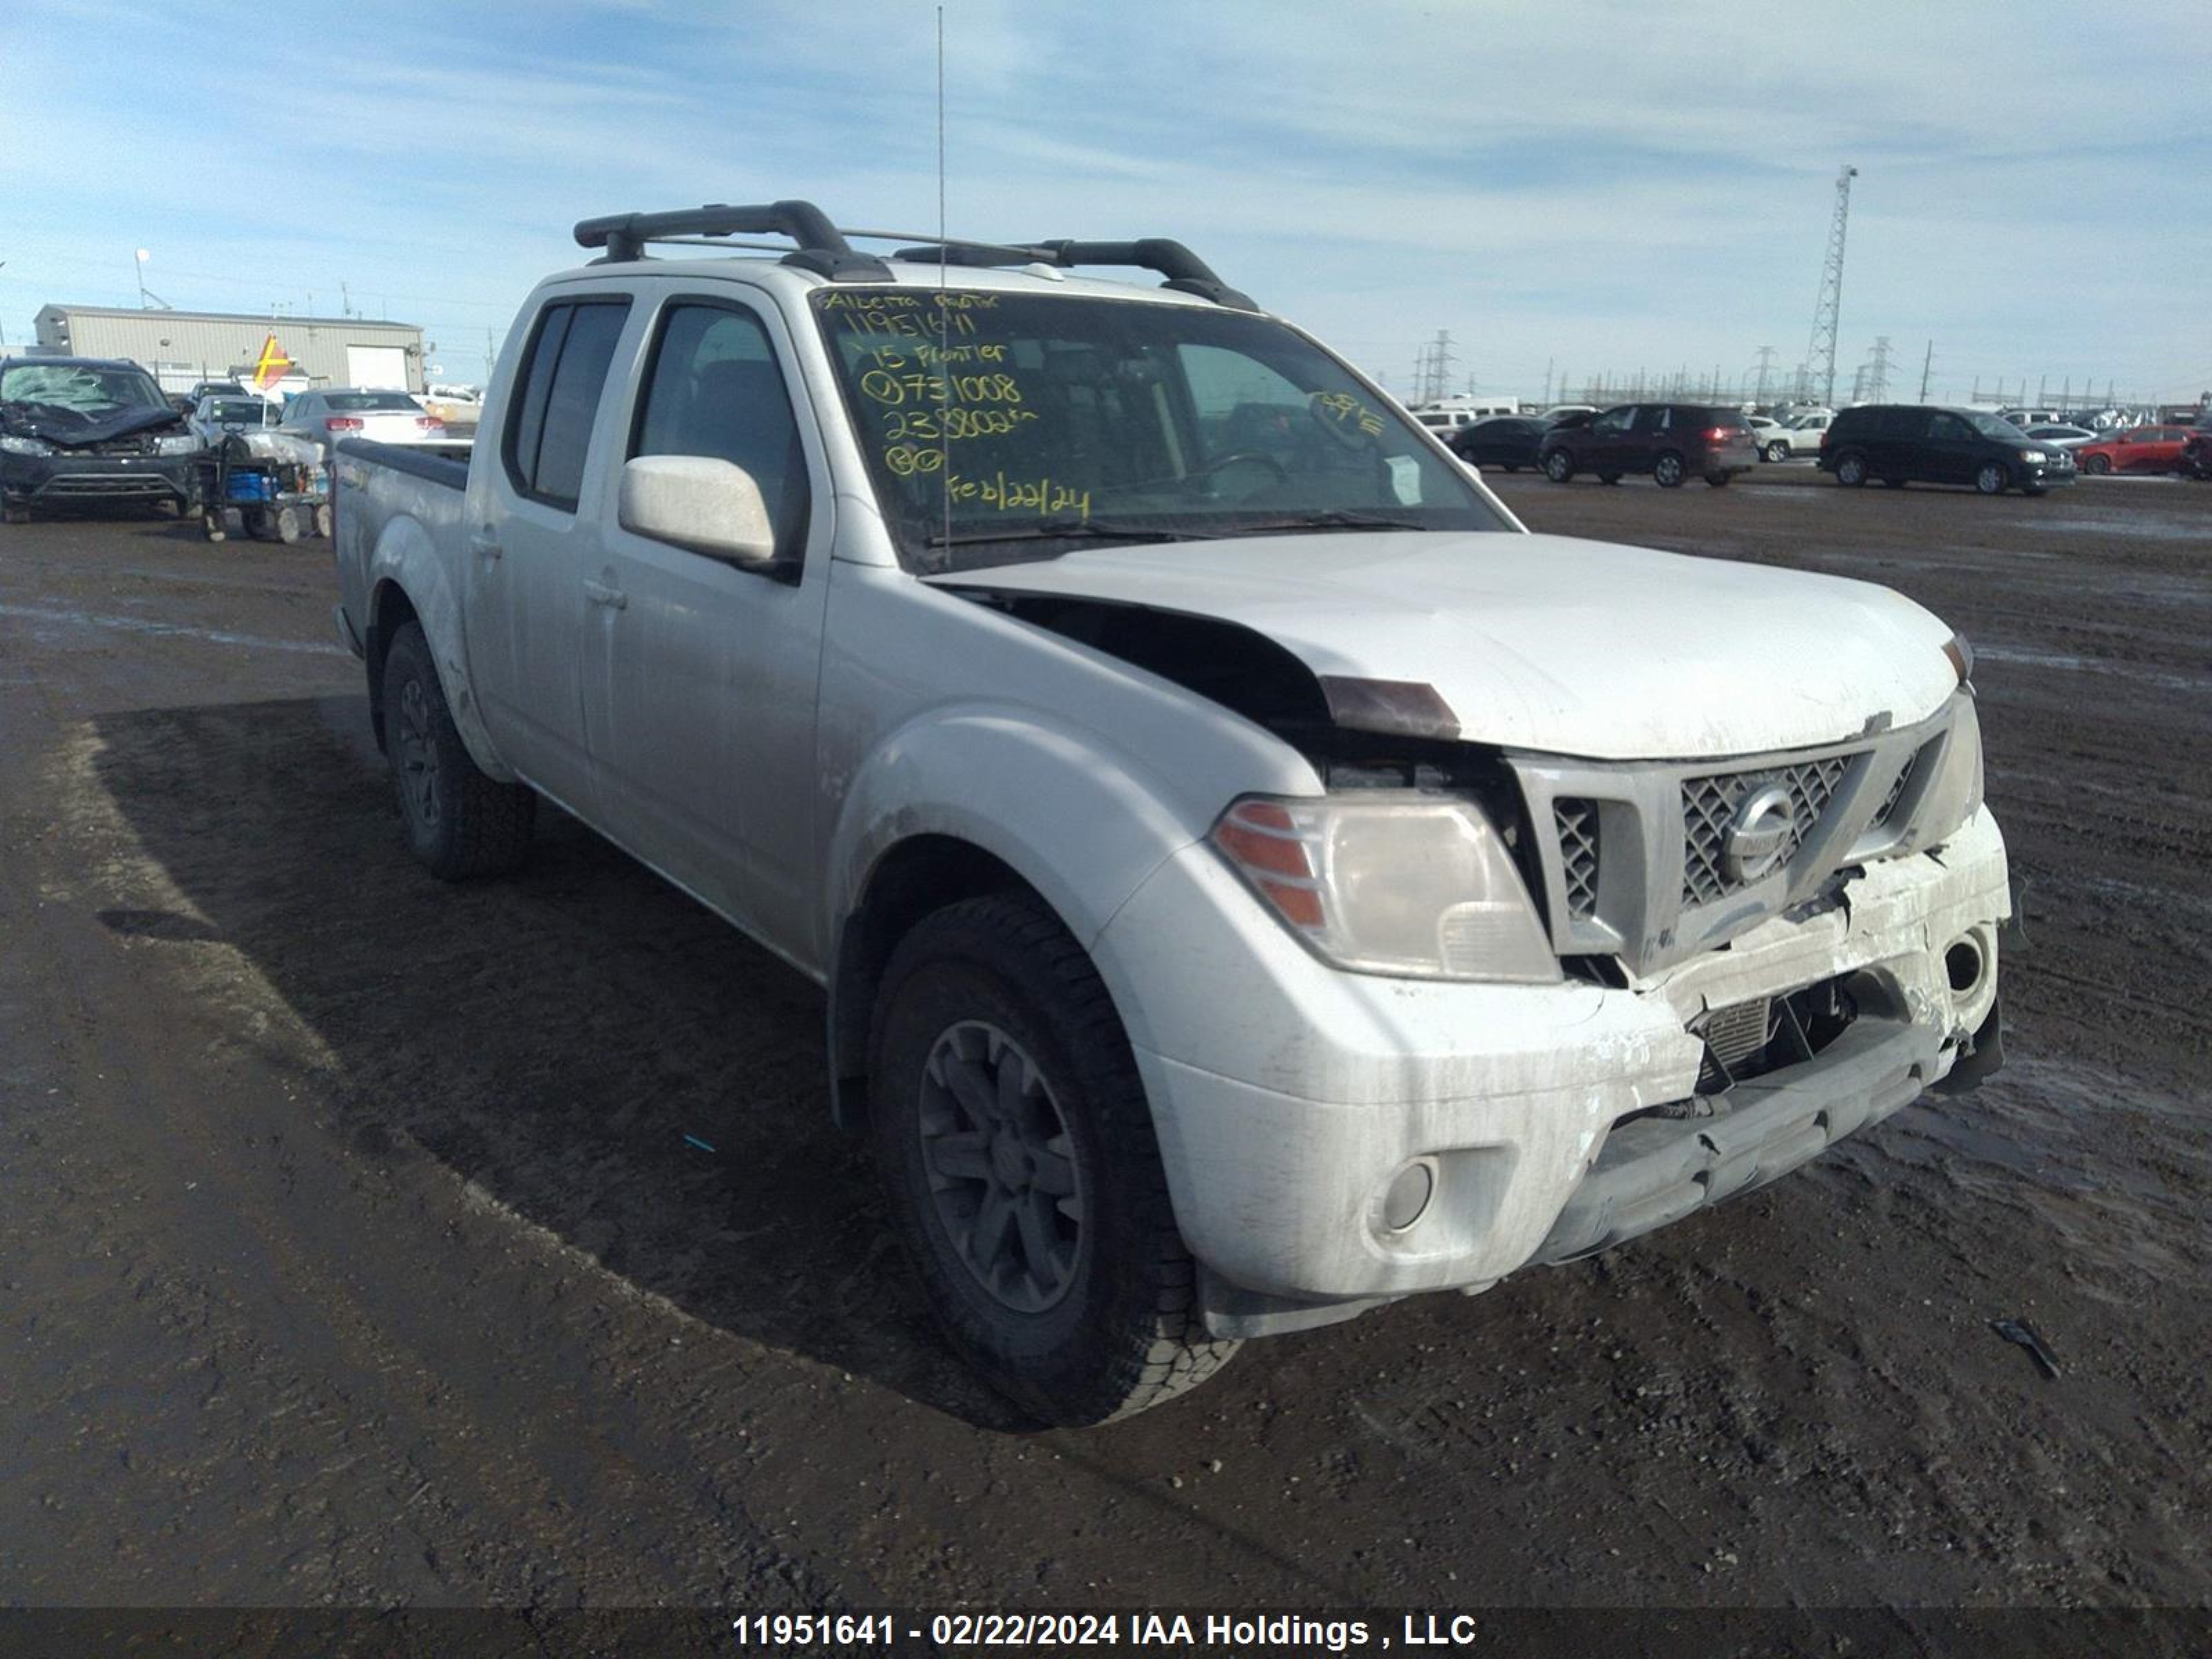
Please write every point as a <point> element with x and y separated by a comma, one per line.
<point>571,1041</point>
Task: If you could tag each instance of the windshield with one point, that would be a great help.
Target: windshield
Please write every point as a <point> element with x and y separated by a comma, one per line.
<point>1993,426</point>
<point>356,403</point>
<point>85,389</point>
<point>1003,427</point>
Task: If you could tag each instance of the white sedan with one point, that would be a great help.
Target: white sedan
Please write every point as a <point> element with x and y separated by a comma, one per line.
<point>330,413</point>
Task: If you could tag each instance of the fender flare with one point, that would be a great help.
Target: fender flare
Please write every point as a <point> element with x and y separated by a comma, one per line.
<point>408,561</point>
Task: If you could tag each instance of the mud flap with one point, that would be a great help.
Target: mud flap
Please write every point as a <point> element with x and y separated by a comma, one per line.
<point>1984,1055</point>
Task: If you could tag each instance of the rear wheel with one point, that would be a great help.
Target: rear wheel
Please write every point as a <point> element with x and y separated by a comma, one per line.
<point>1559,466</point>
<point>1992,479</point>
<point>459,821</point>
<point>1667,470</point>
<point>1851,470</point>
<point>1777,451</point>
<point>1017,1146</point>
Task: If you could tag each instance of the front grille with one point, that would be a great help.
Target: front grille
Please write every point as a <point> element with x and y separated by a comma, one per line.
<point>1735,1034</point>
<point>1577,822</point>
<point>1709,806</point>
<point>108,483</point>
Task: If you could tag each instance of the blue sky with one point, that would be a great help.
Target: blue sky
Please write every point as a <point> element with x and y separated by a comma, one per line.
<point>1597,187</point>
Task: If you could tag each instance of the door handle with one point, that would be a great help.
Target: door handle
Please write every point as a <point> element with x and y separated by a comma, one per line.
<point>600,593</point>
<point>481,540</point>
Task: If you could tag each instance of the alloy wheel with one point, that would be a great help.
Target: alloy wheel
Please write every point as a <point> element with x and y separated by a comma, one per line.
<point>1001,1166</point>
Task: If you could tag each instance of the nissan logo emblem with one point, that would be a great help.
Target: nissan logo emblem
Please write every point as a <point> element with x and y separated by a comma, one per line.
<point>1759,834</point>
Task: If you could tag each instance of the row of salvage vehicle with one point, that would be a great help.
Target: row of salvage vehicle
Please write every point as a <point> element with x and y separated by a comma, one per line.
<point>77,431</point>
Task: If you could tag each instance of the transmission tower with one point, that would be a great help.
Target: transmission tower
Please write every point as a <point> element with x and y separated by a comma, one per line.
<point>1821,355</point>
<point>1875,375</point>
<point>1765,372</point>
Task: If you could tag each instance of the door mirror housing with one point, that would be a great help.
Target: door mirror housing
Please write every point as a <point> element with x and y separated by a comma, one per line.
<point>701,502</point>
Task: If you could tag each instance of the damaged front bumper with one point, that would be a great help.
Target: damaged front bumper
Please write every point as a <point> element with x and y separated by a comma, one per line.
<point>1548,1121</point>
<point>70,474</point>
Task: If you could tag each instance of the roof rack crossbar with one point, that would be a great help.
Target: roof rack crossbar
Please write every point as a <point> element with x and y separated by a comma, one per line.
<point>825,249</point>
<point>821,249</point>
<point>1185,271</point>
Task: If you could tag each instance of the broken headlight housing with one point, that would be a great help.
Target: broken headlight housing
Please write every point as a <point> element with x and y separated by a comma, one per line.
<point>1407,884</point>
<point>14,446</point>
<point>176,444</point>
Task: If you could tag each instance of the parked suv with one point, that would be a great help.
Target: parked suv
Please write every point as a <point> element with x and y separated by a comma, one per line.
<point>89,429</point>
<point>1250,877</point>
<point>1903,443</point>
<point>1671,441</point>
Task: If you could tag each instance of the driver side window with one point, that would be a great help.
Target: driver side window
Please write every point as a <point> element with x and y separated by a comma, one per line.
<point>1614,421</point>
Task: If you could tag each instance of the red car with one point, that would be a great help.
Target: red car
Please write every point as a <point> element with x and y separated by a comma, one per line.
<point>2138,449</point>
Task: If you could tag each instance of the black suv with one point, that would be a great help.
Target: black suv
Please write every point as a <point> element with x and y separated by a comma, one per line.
<point>1902,443</point>
<point>89,429</point>
<point>1671,441</point>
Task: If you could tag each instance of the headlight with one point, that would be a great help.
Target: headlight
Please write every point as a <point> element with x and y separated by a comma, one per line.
<point>176,444</point>
<point>2033,455</point>
<point>26,446</point>
<point>1390,883</point>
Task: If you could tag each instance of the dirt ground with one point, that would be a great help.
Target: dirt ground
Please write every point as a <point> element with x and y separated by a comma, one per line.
<point>357,1246</point>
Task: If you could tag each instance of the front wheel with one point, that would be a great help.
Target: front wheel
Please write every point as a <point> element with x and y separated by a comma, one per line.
<point>460,822</point>
<point>1851,470</point>
<point>2096,466</point>
<point>1992,479</point>
<point>1666,470</point>
<point>1015,1144</point>
<point>1777,451</point>
<point>1559,466</point>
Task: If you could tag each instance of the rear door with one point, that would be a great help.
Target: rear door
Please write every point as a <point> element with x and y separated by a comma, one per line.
<point>702,674</point>
<point>530,535</point>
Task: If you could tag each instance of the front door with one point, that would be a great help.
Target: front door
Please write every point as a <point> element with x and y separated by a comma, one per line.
<point>527,533</point>
<point>702,674</point>
<point>1608,438</point>
<point>1954,451</point>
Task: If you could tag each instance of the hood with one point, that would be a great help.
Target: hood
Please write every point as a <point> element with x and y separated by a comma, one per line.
<point>69,429</point>
<point>1546,642</point>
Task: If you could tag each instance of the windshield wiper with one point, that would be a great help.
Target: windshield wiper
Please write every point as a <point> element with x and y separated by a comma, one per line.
<point>1050,530</point>
<point>1326,517</point>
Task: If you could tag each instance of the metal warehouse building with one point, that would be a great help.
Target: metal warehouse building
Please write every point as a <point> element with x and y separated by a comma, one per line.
<point>182,347</point>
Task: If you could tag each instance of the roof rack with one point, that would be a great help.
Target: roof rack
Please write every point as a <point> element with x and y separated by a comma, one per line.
<point>825,250</point>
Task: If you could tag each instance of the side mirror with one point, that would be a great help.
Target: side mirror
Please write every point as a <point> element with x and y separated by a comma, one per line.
<point>699,501</point>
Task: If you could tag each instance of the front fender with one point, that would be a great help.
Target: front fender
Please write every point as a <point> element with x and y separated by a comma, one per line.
<point>408,561</point>
<point>1082,824</point>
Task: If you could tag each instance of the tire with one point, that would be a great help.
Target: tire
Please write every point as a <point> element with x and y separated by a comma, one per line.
<point>323,521</point>
<point>2096,466</point>
<point>1778,450</point>
<point>1666,470</point>
<point>1992,479</point>
<point>286,525</point>
<point>257,522</point>
<point>1851,470</point>
<point>212,526</point>
<point>1718,480</point>
<point>1089,1311</point>
<point>1559,466</point>
<point>459,824</point>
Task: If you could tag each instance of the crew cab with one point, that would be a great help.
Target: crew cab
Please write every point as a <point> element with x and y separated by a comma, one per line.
<point>1254,879</point>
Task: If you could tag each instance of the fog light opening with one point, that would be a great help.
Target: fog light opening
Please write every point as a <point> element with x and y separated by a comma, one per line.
<point>1407,1200</point>
<point>1962,964</point>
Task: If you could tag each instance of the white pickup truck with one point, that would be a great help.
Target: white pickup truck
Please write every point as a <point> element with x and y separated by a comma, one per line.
<point>1254,878</point>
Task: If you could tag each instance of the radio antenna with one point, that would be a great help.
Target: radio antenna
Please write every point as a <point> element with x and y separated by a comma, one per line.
<point>943,307</point>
